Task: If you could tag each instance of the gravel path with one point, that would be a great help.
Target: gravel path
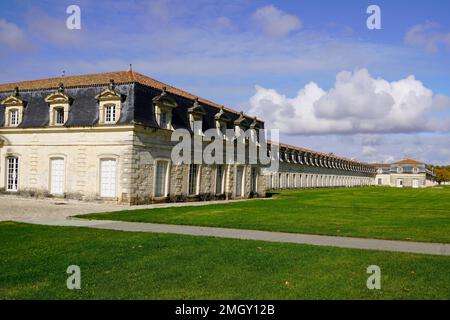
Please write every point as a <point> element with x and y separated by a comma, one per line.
<point>14,208</point>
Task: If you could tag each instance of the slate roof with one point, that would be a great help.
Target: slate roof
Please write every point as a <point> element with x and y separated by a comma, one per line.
<point>137,90</point>
<point>331,155</point>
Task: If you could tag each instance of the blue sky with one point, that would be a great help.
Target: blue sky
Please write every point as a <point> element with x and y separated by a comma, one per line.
<point>257,56</point>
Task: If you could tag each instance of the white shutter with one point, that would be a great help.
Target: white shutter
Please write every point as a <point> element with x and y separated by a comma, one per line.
<point>57,176</point>
<point>108,171</point>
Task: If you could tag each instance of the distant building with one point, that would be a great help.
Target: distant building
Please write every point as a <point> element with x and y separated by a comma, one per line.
<point>301,168</point>
<point>404,173</point>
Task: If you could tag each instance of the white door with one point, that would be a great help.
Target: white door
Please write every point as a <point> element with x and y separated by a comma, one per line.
<point>12,167</point>
<point>415,183</point>
<point>57,176</point>
<point>399,183</point>
<point>108,178</point>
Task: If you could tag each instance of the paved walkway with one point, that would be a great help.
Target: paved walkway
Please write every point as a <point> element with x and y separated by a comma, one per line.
<point>341,242</point>
<point>58,212</point>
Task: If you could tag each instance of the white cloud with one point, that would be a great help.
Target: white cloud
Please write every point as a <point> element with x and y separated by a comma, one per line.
<point>369,151</point>
<point>357,103</point>
<point>275,22</point>
<point>441,102</point>
<point>12,36</point>
<point>425,36</point>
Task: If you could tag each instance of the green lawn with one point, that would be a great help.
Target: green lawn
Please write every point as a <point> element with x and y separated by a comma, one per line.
<point>384,213</point>
<point>126,265</point>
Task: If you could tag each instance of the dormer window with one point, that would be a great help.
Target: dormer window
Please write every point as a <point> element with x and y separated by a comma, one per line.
<point>239,124</point>
<point>14,109</point>
<point>110,104</point>
<point>110,114</point>
<point>164,104</point>
<point>399,169</point>
<point>59,104</point>
<point>221,121</point>
<point>255,127</point>
<point>196,113</point>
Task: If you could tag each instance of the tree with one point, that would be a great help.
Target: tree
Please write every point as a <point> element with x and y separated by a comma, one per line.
<point>442,173</point>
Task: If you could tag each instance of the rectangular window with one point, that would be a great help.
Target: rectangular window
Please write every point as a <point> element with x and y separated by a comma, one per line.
<point>59,116</point>
<point>193,177</point>
<point>196,125</point>
<point>223,128</point>
<point>12,178</point>
<point>14,117</point>
<point>219,179</point>
<point>163,120</point>
<point>110,114</point>
<point>239,181</point>
<point>254,180</point>
<point>161,178</point>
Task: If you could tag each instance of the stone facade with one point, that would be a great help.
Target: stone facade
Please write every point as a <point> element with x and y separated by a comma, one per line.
<point>300,168</point>
<point>405,173</point>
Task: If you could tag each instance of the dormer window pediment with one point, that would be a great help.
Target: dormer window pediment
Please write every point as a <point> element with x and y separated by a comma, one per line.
<point>13,101</point>
<point>240,124</point>
<point>109,94</point>
<point>164,100</point>
<point>197,109</point>
<point>241,121</point>
<point>222,121</point>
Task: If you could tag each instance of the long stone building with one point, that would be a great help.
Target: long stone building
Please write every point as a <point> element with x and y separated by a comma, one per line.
<point>109,137</point>
<point>302,168</point>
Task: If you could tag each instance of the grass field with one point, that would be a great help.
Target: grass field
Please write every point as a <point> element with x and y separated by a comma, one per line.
<point>373,212</point>
<point>125,265</point>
